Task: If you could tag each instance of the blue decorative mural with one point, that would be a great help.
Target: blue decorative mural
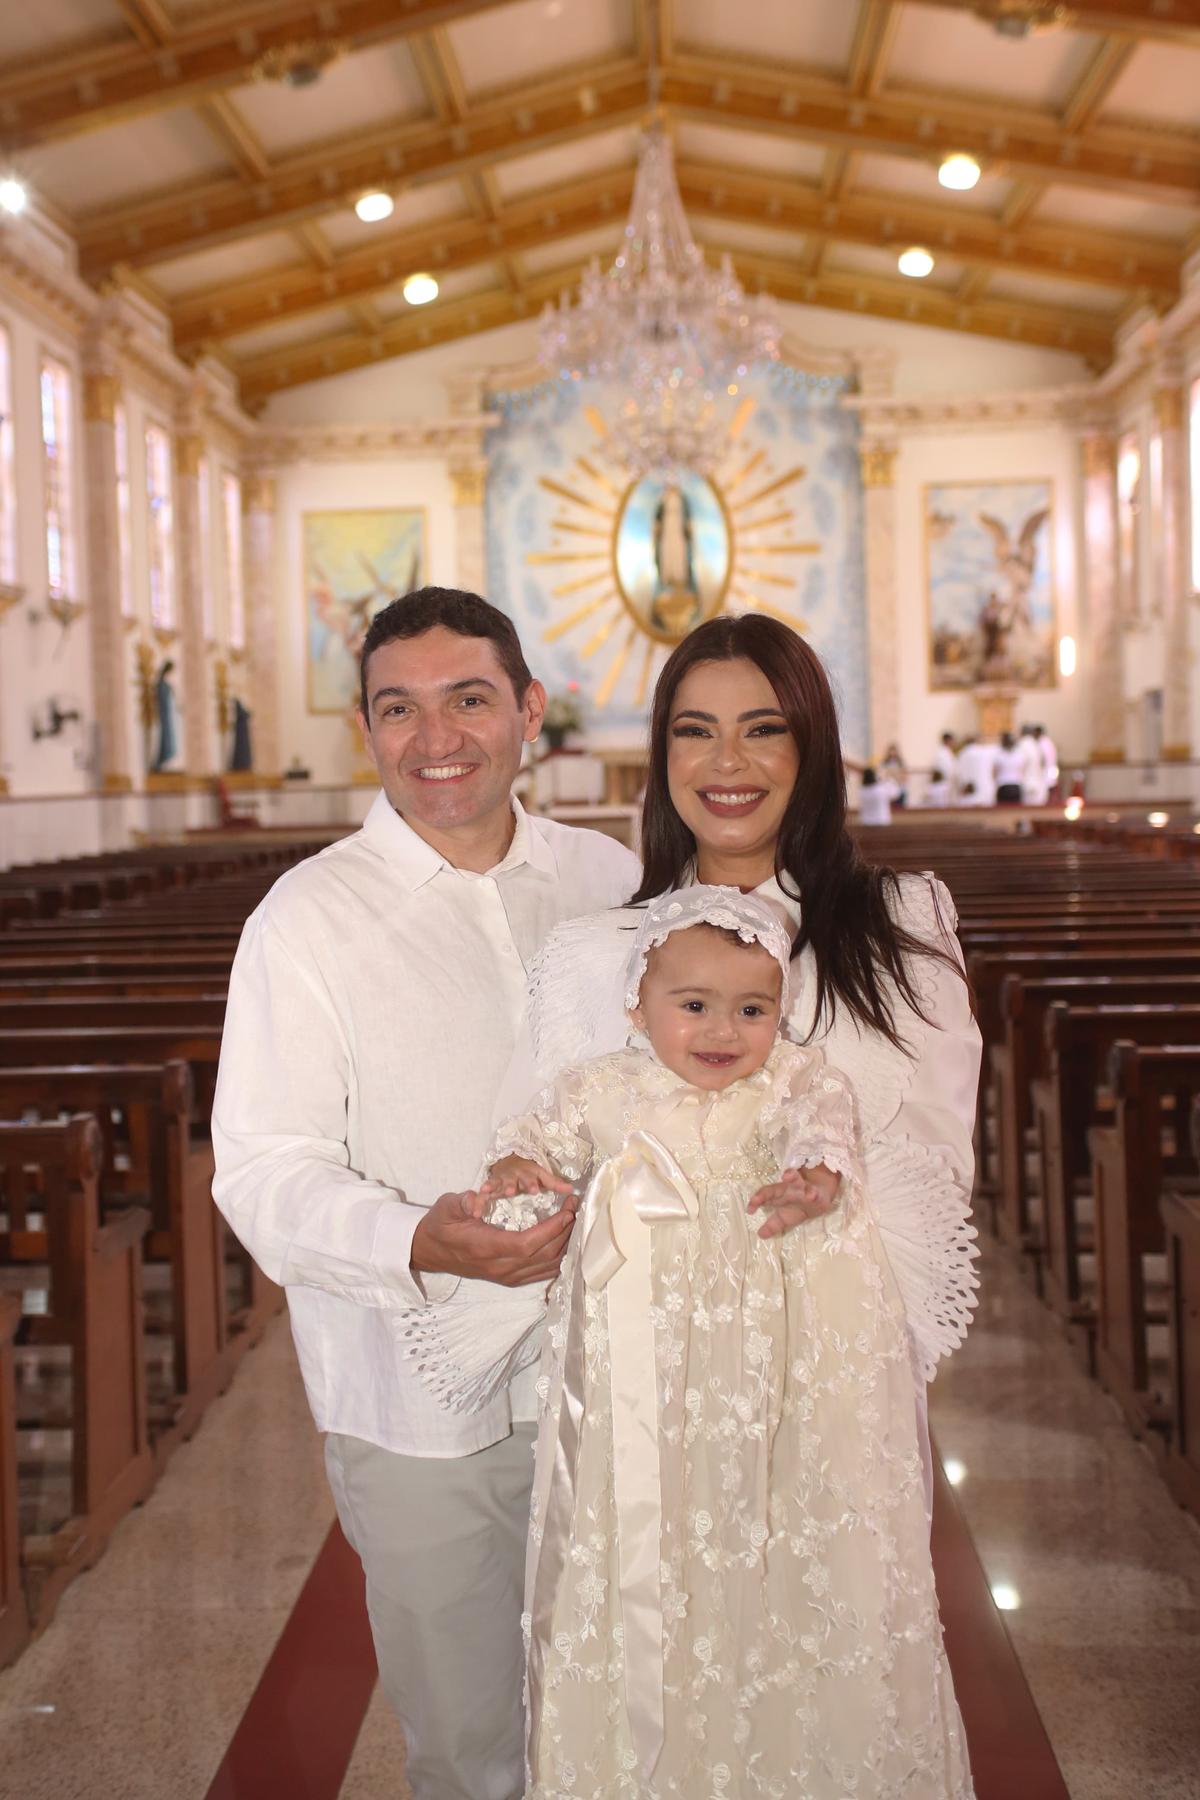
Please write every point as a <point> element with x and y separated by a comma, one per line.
<point>614,572</point>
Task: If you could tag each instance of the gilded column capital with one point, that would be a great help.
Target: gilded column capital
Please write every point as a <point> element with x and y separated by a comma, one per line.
<point>258,493</point>
<point>189,453</point>
<point>878,465</point>
<point>100,396</point>
<point>1099,450</point>
<point>1168,408</point>
<point>468,483</point>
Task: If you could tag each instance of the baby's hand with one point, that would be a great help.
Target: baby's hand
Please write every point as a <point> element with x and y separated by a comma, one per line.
<point>799,1195</point>
<point>520,1175</point>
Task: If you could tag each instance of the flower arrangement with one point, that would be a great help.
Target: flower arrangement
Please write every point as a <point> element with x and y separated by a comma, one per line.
<point>562,716</point>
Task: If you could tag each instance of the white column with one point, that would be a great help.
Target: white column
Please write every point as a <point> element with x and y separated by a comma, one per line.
<point>1176,576</point>
<point>110,663</point>
<point>189,555</point>
<point>1104,643</point>
<point>468,482</point>
<point>878,462</point>
<point>262,648</point>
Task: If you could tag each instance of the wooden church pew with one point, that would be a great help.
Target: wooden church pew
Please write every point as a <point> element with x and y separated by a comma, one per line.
<point>14,1614</point>
<point>93,1284</point>
<point>151,1157</point>
<point>1069,1100</point>
<point>1146,1145</point>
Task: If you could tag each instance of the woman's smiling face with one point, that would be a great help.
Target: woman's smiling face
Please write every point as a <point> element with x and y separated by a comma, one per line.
<point>732,763</point>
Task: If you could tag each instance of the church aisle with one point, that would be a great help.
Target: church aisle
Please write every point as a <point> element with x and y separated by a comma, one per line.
<point>137,1686</point>
<point>148,1681</point>
<point>1067,1512</point>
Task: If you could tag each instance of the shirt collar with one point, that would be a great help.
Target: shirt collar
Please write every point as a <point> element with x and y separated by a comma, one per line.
<point>418,862</point>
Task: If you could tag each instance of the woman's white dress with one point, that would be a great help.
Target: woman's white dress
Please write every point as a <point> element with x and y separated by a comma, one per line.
<point>730,1590</point>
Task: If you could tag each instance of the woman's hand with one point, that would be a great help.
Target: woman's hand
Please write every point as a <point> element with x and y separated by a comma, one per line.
<point>520,1175</point>
<point>798,1196</point>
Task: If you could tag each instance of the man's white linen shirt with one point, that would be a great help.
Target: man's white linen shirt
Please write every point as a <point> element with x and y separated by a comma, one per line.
<point>374,1002</point>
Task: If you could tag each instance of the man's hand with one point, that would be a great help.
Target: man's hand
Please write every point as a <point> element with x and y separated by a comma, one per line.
<point>800,1195</point>
<point>453,1239</point>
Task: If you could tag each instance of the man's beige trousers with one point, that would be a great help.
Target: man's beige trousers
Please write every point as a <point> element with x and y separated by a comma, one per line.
<point>442,1542</point>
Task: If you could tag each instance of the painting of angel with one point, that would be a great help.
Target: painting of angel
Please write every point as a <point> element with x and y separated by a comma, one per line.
<point>990,581</point>
<point>355,563</point>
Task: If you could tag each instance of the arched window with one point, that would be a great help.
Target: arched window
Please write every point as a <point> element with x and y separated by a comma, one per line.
<point>124,528</point>
<point>235,588</point>
<point>59,488</point>
<point>162,528</point>
<point>8,485</point>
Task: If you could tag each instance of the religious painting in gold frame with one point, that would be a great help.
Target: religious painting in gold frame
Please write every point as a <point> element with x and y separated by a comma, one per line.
<point>356,561</point>
<point>662,554</point>
<point>989,582</point>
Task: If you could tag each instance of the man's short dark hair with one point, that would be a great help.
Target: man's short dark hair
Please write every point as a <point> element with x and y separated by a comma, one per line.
<point>466,614</point>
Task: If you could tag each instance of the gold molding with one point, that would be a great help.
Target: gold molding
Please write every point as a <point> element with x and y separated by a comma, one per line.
<point>117,784</point>
<point>11,594</point>
<point>189,453</point>
<point>100,396</point>
<point>165,635</point>
<point>3,784</point>
<point>1175,753</point>
<point>1107,757</point>
<point>169,781</point>
<point>468,483</point>
<point>64,609</point>
<point>878,465</point>
<point>258,493</point>
<point>1100,455</point>
<point>1168,408</point>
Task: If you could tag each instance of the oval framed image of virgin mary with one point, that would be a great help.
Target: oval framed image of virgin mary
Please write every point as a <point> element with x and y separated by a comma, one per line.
<point>672,553</point>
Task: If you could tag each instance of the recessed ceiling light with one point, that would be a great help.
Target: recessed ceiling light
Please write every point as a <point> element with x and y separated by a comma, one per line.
<point>419,290</point>
<point>1005,1596</point>
<point>13,197</point>
<point>373,207</point>
<point>1158,819</point>
<point>959,171</point>
<point>915,262</point>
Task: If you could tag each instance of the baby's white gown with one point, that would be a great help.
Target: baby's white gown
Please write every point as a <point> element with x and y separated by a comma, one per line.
<point>741,1601</point>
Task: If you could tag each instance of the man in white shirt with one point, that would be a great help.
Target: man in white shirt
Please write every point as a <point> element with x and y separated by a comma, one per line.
<point>940,788</point>
<point>373,1006</point>
<point>1048,751</point>
<point>976,774</point>
<point>1035,789</point>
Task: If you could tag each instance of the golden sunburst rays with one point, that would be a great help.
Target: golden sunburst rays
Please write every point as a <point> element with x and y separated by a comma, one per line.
<point>758,508</point>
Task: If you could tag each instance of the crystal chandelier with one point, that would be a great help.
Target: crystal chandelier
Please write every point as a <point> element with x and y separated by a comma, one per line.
<point>674,333</point>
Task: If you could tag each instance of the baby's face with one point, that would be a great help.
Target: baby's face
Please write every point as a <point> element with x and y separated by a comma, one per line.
<point>710,1007</point>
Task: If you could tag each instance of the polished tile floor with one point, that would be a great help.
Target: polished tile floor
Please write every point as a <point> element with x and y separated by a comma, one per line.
<point>138,1687</point>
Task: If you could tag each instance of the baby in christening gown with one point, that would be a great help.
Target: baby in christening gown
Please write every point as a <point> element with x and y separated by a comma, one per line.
<point>729,1589</point>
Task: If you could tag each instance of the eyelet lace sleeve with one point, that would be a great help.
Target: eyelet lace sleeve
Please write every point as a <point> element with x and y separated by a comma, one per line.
<point>470,1347</point>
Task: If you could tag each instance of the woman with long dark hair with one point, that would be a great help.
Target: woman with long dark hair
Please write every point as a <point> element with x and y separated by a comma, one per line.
<point>746,787</point>
<point>746,790</point>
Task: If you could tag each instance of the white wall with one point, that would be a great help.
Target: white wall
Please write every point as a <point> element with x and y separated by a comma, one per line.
<point>323,742</point>
<point>38,661</point>
<point>1038,452</point>
<point>928,361</point>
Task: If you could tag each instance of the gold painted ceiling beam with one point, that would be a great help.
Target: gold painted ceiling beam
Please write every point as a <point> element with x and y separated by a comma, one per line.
<point>887,221</point>
<point>305,186</point>
<point>1164,165</point>
<point>460,243</point>
<point>1015,322</point>
<point>61,96</point>
<point>1138,18</point>
<point>923,126</point>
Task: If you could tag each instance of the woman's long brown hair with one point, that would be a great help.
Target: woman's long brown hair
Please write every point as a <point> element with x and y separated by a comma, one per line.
<point>844,902</point>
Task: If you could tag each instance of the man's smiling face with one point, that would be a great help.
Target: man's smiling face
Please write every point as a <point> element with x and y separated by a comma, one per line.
<point>446,730</point>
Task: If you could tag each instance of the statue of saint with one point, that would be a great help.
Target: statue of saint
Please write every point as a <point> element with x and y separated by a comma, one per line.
<point>166,713</point>
<point>241,756</point>
<point>675,607</point>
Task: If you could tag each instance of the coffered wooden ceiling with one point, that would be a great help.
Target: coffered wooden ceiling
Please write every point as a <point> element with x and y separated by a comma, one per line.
<point>807,136</point>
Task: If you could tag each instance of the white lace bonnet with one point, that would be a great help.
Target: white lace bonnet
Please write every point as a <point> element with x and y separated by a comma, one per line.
<point>755,920</point>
